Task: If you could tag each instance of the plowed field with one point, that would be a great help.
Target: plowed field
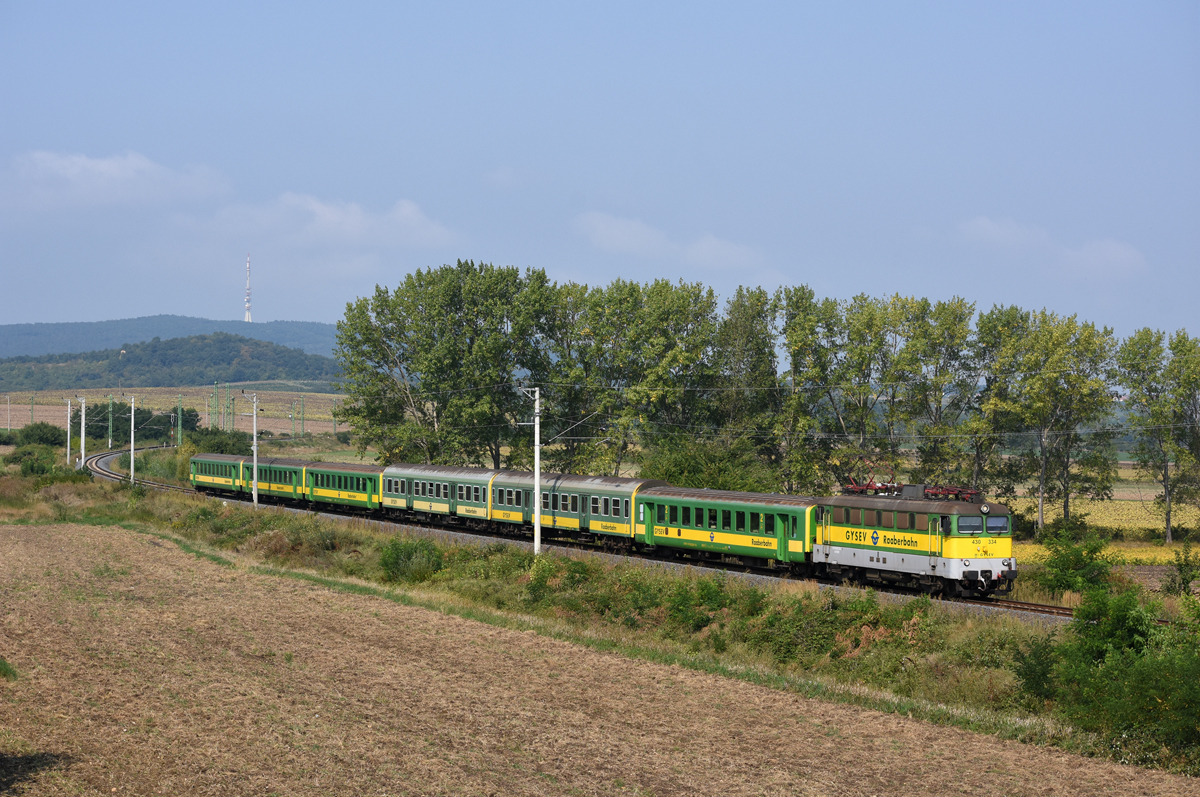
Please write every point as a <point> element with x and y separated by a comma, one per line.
<point>145,670</point>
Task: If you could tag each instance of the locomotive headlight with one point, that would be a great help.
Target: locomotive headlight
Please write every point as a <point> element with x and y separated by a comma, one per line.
<point>1006,563</point>
<point>966,562</point>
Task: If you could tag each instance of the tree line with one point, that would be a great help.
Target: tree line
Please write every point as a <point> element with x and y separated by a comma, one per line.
<point>778,391</point>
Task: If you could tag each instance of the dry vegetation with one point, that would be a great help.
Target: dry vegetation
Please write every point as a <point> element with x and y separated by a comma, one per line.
<point>49,407</point>
<point>142,669</point>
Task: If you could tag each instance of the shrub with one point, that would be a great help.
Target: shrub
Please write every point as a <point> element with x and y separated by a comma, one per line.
<point>1187,570</point>
<point>1034,668</point>
<point>42,434</point>
<point>1073,566</point>
<point>410,560</point>
<point>7,438</point>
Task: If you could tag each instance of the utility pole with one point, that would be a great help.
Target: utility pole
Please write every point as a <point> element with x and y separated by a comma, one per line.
<point>68,432</point>
<point>9,397</point>
<point>132,451</point>
<point>110,408</point>
<point>302,416</point>
<point>82,430</point>
<point>536,395</point>
<point>254,447</point>
<point>292,415</point>
<point>179,422</point>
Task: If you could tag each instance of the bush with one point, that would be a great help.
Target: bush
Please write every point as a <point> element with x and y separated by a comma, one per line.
<point>1187,570</point>
<point>42,434</point>
<point>410,560</point>
<point>1034,668</point>
<point>7,438</point>
<point>1073,566</point>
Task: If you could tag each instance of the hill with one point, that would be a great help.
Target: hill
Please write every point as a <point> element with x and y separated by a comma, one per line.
<point>33,340</point>
<point>195,360</point>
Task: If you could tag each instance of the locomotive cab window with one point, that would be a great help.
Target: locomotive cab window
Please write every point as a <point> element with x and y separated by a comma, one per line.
<point>970,524</point>
<point>997,525</point>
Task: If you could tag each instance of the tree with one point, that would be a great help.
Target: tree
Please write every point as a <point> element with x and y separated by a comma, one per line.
<point>1059,390</point>
<point>1146,370</point>
<point>942,380</point>
<point>431,368</point>
<point>1184,378</point>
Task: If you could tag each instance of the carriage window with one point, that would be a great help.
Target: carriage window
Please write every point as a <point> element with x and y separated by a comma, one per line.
<point>997,525</point>
<point>856,517</point>
<point>661,514</point>
<point>712,518</point>
<point>726,519</point>
<point>687,516</point>
<point>445,490</point>
<point>741,521</point>
<point>595,505</point>
<point>546,501</point>
<point>970,525</point>
<point>518,497</point>
<point>478,493</point>
<point>554,502</point>
<point>769,524</point>
<point>674,514</point>
<point>575,504</point>
<point>626,507</point>
<point>754,520</point>
<point>886,520</point>
<point>606,507</point>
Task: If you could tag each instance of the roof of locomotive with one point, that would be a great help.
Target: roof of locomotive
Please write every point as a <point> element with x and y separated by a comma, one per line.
<point>928,506</point>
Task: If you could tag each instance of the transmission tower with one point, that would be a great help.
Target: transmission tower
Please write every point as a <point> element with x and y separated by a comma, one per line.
<point>247,289</point>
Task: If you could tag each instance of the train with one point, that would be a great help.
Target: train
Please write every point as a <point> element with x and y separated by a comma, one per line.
<point>940,541</point>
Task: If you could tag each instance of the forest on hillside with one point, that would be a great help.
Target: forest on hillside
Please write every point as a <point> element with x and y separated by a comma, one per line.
<point>177,362</point>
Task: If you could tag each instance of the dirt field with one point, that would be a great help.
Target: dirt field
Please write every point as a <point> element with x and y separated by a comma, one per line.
<point>49,407</point>
<point>145,670</point>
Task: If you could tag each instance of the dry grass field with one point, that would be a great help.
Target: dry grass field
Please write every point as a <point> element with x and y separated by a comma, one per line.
<point>50,406</point>
<point>145,670</point>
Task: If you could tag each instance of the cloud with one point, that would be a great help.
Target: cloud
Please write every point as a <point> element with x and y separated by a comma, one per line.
<point>634,237</point>
<point>44,180</point>
<point>1101,257</point>
<point>302,220</point>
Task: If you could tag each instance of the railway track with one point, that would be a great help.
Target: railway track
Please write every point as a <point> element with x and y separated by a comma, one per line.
<point>98,464</point>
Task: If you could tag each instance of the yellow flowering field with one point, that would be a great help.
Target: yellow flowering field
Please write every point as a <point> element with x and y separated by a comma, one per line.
<point>1121,553</point>
<point>1113,514</point>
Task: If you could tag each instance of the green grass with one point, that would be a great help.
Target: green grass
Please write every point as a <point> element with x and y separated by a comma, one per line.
<point>7,672</point>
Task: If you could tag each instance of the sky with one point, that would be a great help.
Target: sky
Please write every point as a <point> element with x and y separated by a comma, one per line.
<point>1037,154</point>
